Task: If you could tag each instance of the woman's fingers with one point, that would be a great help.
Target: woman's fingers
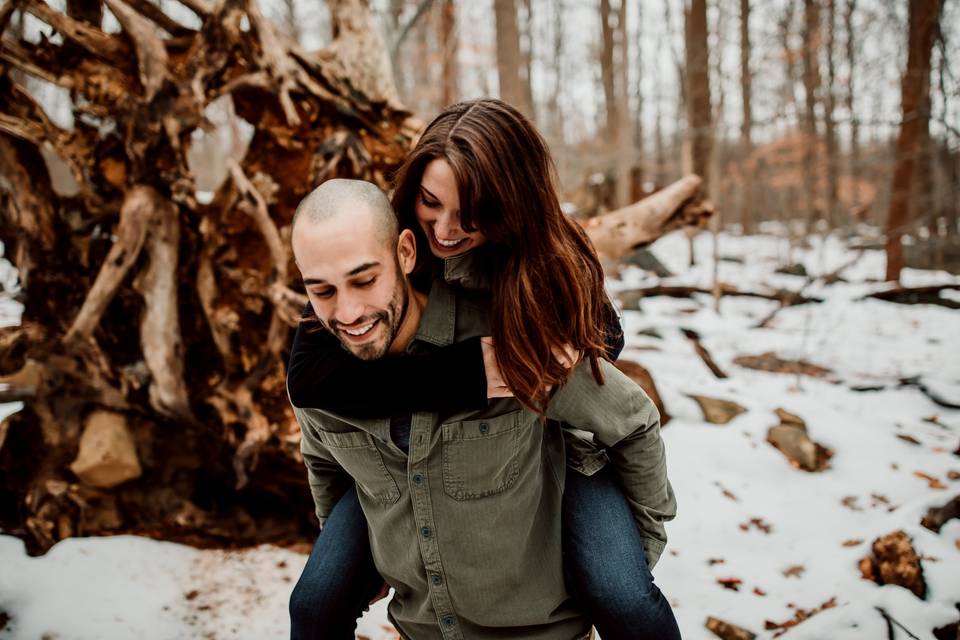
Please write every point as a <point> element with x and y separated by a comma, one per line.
<point>567,355</point>
<point>496,386</point>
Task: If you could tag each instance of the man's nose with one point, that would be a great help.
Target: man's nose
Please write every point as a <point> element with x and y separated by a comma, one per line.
<point>349,310</point>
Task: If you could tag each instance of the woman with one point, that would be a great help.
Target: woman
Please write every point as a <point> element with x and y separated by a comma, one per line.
<point>479,190</point>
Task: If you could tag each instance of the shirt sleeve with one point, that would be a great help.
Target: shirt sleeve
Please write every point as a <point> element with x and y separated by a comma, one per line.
<point>625,421</point>
<point>328,480</point>
<point>321,374</point>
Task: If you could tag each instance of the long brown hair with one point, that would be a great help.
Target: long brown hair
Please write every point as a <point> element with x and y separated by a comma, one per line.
<point>547,280</point>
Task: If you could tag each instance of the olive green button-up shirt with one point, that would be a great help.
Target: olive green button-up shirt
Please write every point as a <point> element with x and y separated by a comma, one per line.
<point>466,526</point>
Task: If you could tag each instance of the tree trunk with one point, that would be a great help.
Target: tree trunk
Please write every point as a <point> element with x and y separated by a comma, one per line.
<point>607,76</point>
<point>449,48</point>
<point>163,310</point>
<point>851,47</point>
<point>829,106</point>
<point>509,57</point>
<point>811,87</point>
<point>625,153</point>
<point>699,143</point>
<point>924,19</point>
<point>746,127</point>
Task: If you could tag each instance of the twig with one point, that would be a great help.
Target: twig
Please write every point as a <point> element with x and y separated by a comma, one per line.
<point>892,621</point>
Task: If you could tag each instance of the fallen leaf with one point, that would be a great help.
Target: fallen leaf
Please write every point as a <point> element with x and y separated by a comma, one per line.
<point>758,523</point>
<point>953,475</point>
<point>758,591</point>
<point>713,561</point>
<point>190,595</point>
<point>907,438</point>
<point>727,631</point>
<point>730,583</point>
<point>932,481</point>
<point>799,616</point>
<point>850,502</point>
<point>893,560</point>
<point>726,492</point>
<point>852,542</point>
<point>769,361</point>
<point>794,571</point>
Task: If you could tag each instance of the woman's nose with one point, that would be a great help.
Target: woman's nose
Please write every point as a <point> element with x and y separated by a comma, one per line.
<point>448,226</point>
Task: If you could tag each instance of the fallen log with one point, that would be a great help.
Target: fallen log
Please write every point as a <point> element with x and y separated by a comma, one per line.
<point>619,232</point>
<point>630,297</point>
<point>918,295</point>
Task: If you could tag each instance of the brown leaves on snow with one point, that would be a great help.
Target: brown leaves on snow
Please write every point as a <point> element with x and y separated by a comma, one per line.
<point>798,616</point>
<point>894,561</point>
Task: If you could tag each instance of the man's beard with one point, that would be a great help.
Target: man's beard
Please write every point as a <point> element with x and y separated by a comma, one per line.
<point>391,318</point>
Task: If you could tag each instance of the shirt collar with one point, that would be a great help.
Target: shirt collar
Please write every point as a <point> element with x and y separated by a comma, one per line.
<point>470,270</point>
<point>438,323</point>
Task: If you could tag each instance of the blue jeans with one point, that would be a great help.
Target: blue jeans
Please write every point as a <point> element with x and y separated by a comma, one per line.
<point>604,564</point>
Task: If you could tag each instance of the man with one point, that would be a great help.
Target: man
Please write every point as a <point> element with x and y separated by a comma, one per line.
<point>463,510</point>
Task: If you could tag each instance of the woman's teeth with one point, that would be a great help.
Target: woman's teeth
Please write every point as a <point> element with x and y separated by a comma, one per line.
<point>362,330</point>
<point>448,243</point>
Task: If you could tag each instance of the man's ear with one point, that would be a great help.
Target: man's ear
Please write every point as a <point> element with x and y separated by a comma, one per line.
<point>407,251</point>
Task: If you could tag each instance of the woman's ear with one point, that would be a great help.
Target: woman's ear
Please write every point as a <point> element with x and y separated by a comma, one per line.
<point>407,251</point>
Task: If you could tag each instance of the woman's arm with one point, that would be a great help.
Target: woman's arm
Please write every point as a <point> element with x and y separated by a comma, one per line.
<point>614,338</point>
<point>321,374</point>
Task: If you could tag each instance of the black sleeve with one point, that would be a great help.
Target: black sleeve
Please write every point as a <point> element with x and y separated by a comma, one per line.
<point>614,339</point>
<point>323,375</point>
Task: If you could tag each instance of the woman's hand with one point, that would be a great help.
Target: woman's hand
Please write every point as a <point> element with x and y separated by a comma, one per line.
<point>496,386</point>
<point>567,356</point>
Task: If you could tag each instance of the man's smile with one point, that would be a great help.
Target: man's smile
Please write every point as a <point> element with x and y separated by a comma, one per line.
<point>355,334</point>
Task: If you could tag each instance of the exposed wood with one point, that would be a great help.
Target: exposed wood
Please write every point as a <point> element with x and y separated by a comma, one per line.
<point>919,295</point>
<point>151,52</point>
<point>124,279</point>
<point>617,233</point>
<point>138,209</point>
<point>787,298</point>
<point>936,517</point>
<point>694,338</point>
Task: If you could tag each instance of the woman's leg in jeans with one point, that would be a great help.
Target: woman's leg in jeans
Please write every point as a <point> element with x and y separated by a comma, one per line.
<point>339,578</point>
<point>605,564</point>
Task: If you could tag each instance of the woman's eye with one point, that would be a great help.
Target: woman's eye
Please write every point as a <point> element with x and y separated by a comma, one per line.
<point>432,204</point>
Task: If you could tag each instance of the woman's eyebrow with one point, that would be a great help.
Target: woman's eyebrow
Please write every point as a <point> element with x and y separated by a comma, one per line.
<point>428,193</point>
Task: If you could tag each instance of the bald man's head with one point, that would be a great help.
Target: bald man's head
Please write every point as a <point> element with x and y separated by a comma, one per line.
<point>353,198</point>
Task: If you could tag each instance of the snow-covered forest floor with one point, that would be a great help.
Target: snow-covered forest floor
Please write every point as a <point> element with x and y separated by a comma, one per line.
<point>755,540</point>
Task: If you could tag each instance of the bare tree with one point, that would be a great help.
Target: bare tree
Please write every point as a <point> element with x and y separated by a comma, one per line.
<point>829,106</point>
<point>698,146</point>
<point>699,143</point>
<point>851,47</point>
<point>923,24</point>
<point>509,57</point>
<point>811,85</point>
<point>746,126</point>
<point>449,49</point>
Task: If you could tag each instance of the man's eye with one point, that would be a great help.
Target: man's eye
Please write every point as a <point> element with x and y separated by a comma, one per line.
<point>323,293</point>
<point>366,283</point>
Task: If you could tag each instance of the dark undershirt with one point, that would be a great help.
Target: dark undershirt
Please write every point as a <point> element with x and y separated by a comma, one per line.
<point>321,374</point>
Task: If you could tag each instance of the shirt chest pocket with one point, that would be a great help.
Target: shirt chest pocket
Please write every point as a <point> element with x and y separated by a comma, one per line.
<point>358,454</point>
<point>481,457</point>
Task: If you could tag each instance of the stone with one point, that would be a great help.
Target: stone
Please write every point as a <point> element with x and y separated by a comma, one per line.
<point>107,456</point>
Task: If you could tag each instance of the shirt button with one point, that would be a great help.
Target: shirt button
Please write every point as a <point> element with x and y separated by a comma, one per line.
<point>417,478</point>
<point>448,621</point>
<point>425,532</point>
<point>484,427</point>
<point>436,580</point>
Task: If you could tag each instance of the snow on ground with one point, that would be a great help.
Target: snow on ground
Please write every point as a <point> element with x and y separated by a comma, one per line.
<point>820,524</point>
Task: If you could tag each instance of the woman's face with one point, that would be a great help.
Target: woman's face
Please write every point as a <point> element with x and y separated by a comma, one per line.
<point>438,212</point>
